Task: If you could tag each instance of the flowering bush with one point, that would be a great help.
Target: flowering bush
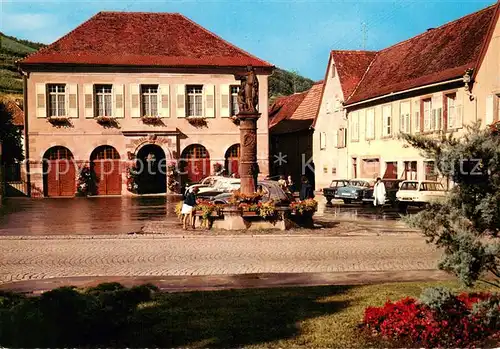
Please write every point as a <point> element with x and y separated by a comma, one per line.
<point>463,321</point>
<point>132,176</point>
<point>239,198</point>
<point>172,174</point>
<point>301,207</point>
<point>86,182</point>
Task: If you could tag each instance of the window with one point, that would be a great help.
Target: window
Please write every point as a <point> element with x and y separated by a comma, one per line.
<point>430,171</point>
<point>328,107</point>
<point>410,170</point>
<point>322,140</point>
<point>341,137</point>
<point>333,70</point>
<point>417,116</point>
<point>104,100</point>
<point>409,186</point>
<point>431,187</point>
<point>404,117</point>
<point>149,99</point>
<point>234,100</point>
<point>387,119</point>
<point>436,118</point>
<point>427,114</point>
<point>57,99</point>
<point>194,97</point>
<point>370,124</point>
<point>355,126</point>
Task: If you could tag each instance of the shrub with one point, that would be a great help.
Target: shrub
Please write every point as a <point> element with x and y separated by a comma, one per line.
<point>440,319</point>
<point>68,317</point>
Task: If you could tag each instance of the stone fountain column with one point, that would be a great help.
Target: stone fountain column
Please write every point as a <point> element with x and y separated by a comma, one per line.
<point>248,151</point>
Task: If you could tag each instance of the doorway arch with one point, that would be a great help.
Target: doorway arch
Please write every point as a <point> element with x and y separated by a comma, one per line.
<point>105,164</point>
<point>195,163</point>
<point>152,168</point>
<point>232,160</point>
<point>59,172</point>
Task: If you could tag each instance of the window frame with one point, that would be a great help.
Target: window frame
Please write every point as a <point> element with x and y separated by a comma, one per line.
<point>427,114</point>
<point>405,117</point>
<point>387,121</point>
<point>370,135</point>
<point>451,97</point>
<point>149,96</point>
<point>322,140</point>
<point>103,94</point>
<point>57,94</point>
<point>233,103</point>
<point>194,94</point>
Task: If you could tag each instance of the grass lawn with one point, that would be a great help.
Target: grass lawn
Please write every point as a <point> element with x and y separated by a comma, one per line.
<point>275,318</point>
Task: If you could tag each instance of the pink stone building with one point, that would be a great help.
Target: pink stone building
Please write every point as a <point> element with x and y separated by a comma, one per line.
<point>123,87</point>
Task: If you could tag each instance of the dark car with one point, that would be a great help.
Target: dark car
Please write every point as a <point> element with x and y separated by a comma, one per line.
<point>329,192</point>
<point>391,188</point>
<point>271,189</point>
<point>355,190</point>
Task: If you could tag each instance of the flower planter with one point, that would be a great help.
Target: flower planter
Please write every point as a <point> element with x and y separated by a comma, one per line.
<point>107,121</point>
<point>250,214</point>
<point>59,121</point>
<point>152,120</point>
<point>197,121</point>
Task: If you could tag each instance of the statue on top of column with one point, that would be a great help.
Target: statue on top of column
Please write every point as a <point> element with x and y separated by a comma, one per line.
<point>248,95</point>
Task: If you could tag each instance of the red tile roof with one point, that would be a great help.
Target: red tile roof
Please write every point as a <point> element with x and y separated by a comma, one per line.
<point>284,107</point>
<point>296,112</point>
<point>143,39</point>
<point>310,105</point>
<point>15,111</point>
<point>351,66</point>
<point>437,55</point>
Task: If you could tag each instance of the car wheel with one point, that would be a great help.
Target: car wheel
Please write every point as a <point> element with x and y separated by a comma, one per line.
<point>347,201</point>
<point>403,207</point>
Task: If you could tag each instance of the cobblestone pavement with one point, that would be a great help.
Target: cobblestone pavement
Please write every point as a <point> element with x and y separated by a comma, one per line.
<point>25,258</point>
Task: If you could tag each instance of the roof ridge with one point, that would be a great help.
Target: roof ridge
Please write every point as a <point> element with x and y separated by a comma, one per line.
<point>362,78</point>
<point>442,26</point>
<point>142,12</point>
<point>354,51</point>
<point>224,40</point>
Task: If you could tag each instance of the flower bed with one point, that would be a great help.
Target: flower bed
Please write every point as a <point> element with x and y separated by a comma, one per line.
<point>438,319</point>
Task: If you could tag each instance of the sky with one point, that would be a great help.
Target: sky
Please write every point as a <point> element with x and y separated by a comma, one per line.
<point>293,35</point>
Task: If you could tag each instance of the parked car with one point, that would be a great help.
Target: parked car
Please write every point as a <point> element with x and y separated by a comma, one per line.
<point>329,192</point>
<point>391,188</point>
<point>224,185</point>
<point>355,190</point>
<point>272,191</point>
<point>419,193</point>
<point>206,182</point>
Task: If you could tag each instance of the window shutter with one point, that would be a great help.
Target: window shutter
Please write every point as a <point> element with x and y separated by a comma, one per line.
<point>439,118</point>
<point>41,101</point>
<point>458,116</point>
<point>88,92</point>
<point>118,107</point>
<point>164,101</point>
<point>336,139</point>
<point>72,100</point>
<point>180,101</point>
<point>209,92</point>
<point>224,101</point>
<point>490,107</point>
<point>135,105</point>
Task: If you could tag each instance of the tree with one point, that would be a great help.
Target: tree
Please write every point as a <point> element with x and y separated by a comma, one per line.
<point>467,224</point>
<point>10,137</point>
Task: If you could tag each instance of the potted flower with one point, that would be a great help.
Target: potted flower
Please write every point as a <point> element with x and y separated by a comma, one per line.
<point>267,209</point>
<point>59,121</point>
<point>235,120</point>
<point>107,121</point>
<point>152,120</point>
<point>197,121</point>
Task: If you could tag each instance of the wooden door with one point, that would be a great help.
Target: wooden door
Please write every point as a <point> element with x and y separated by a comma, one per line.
<point>233,160</point>
<point>198,163</point>
<point>60,172</point>
<point>106,166</point>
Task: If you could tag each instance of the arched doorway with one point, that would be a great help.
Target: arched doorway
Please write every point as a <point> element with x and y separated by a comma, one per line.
<point>152,167</point>
<point>105,163</point>
<point>232,160</point>
<point>59,172</point>
<point>195,163</point>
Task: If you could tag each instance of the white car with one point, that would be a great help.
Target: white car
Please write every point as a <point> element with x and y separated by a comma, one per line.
<point>419,193</point>
<point>206,182</point>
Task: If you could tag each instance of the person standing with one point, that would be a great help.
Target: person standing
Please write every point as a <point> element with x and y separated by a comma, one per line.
<point>188,208</point>
<point>282,182</point>
<point>290,185</point>
<point>306,190</point>
<point>379,194</point>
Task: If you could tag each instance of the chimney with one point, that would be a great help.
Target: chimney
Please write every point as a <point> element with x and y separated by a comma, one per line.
<point>429,29</point>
